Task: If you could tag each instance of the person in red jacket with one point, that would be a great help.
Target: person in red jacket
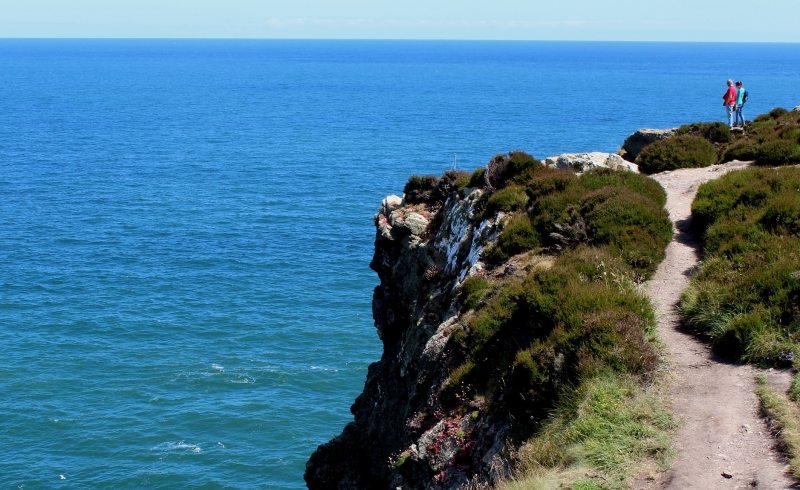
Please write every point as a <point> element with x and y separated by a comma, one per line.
<point>729,101</point>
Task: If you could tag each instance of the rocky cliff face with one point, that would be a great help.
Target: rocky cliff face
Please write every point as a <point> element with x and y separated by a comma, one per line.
<point>456,386</point>
<point>425,246</point>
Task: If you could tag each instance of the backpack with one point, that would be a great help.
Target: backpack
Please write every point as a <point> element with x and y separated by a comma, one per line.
<point>746,96</point>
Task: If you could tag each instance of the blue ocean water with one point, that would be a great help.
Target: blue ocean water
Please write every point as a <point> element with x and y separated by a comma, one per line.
<point>186,226</point>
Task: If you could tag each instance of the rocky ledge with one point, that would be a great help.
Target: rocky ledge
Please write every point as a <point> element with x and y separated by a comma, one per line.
<point>426,244</point>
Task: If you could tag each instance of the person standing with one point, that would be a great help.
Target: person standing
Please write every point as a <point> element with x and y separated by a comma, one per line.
<point>729,101</point>
<point>741,98</point>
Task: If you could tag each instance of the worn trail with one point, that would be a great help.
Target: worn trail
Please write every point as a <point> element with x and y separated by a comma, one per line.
<point>722,443</point>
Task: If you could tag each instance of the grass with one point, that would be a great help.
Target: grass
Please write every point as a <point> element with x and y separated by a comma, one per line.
<point>607,432</point>
<point>785,418</point>
<point>745,297</point>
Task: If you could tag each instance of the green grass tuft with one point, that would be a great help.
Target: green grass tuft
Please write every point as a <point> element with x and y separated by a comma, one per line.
<point>746,296</point>
<point>786,417</point>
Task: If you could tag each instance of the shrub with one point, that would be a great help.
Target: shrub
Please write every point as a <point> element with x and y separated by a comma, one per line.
<point>778,112</point>
<point>477,178</point>
<point>778,152</point>
<point>419,188</point>
<point>682,151</point>
<point>516,166</point>
<point>635,227</point>
<point>472,291</point>
<point>746,296</point>
<point>782,214</point>
<point>638,183</point>
<point>517,236</point>
<point>791,134</point>
<point>521,165</point>
<point>560,325</point>
<point>744,151</point>
<point>716,132</point>
<point>510,198</point>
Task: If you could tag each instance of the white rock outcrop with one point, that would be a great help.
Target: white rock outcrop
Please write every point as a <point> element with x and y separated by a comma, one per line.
<point>582,162</point>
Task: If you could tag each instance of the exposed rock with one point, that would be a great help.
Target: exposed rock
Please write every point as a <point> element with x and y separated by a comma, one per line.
<point>635,143</point>
<point>581,162</point>
<point>401,436</point>
<point>416,223</point>
<point>389,204</point>
<point>796,109</point>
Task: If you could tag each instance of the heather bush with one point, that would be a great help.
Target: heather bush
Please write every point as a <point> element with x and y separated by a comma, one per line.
<point>620,209</point>
<point>509,198</point>
<point>419,188</point>
<point>517,236</point>
<point>682,151</point>
<point>473,290</point>
<point>746,296</point>
<point>715,132</point>
<point>516,166</point>
<point>565,324</point>
<point>777,152</point>
<point>771,139</point>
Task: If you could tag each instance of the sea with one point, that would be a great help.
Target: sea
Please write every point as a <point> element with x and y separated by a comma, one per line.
<point>186,226</point>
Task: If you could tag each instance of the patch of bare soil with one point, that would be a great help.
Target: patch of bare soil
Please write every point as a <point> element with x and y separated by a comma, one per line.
<point>722,442</point>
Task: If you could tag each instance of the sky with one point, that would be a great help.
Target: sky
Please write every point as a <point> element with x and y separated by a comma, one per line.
<point>623,20</point>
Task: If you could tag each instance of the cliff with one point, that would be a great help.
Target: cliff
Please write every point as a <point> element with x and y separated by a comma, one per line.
<point>425,246</point>
<point>469,371</point>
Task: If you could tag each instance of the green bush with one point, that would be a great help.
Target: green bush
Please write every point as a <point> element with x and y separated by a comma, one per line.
<point>473,290</point>
<point>477,178</point>
<point>635,227</point>
<point>778,152</point>
<point>637,183</point>
<point>782,214</point>
<point>778,112</point>
<point>716,132</point>
<point>582,317</point>
<point>419,188</point>
<point>744,151</point>
<point>746,296</point>
<point>516,167</point>
<point>510,198</point>
<point>517,236</point>
<point>682,151</point>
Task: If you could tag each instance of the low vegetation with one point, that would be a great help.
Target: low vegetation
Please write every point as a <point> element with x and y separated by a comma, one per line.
<point>606,432</point>
<point>746,296</point>
<point>680,151</point>
<point>784,418</point>
<point>771,139</point>
<point>567,347</point>
<point>556,210</point>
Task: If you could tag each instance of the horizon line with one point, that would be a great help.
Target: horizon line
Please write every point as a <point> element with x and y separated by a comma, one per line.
<point>197,38</point>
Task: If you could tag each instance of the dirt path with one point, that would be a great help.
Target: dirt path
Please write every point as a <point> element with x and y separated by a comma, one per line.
<point>721,431</point>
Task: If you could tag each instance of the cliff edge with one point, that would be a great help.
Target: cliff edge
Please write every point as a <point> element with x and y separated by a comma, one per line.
<point>487,284</point>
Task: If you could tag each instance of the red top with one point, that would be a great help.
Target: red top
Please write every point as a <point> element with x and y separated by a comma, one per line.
<point>730,96</point>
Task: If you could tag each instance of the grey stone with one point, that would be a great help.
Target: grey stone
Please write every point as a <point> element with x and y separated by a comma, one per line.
<point>416,223</point>
<point>636,142</point>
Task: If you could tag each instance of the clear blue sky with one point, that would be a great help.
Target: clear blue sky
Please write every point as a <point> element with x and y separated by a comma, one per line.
<point>665,20</point>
